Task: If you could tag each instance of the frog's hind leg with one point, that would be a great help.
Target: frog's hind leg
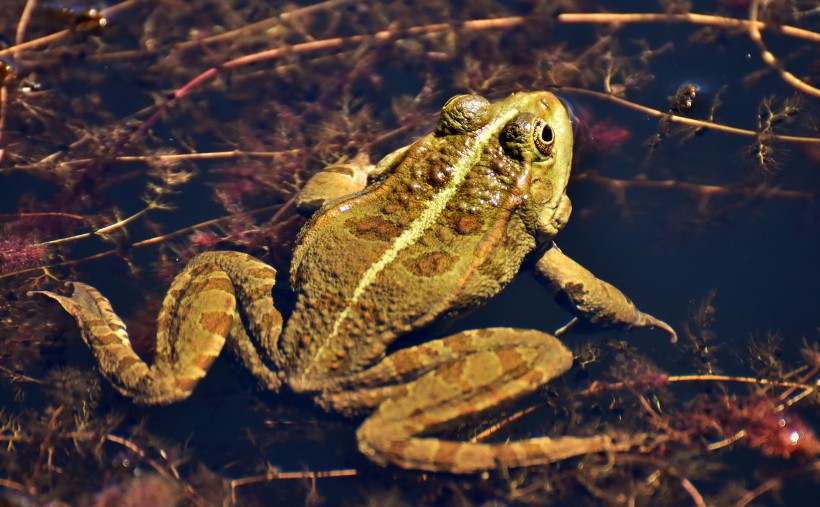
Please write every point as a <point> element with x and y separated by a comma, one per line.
<point>500,367</point>
<point>198,314</point>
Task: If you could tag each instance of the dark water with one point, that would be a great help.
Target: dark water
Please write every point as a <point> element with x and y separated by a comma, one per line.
<point>752,244</point>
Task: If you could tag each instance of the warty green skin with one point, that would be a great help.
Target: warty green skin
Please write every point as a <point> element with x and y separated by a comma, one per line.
<point>447,223</point>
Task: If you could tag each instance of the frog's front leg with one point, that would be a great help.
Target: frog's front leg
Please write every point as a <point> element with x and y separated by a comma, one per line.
<point>200,311</point>
<point>592,299</point>
<point>434,386</point>
<point>344,179</point>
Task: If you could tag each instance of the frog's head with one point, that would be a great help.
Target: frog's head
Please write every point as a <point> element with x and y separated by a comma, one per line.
<point>539,135</point>
<point>526,142</point>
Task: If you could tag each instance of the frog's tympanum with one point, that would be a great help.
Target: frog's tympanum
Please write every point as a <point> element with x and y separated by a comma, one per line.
<point>435,230</point>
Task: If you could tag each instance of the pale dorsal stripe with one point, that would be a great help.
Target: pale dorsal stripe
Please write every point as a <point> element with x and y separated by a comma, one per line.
<point>426,219</point>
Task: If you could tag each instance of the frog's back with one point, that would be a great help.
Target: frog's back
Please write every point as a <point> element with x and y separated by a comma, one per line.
<point>445,229</point>
<point>405,254</point>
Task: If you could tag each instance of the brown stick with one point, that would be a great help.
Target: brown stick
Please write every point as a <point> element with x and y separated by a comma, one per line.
<point>682,119</point>
<point>698,19</point>
<point>769,58</point>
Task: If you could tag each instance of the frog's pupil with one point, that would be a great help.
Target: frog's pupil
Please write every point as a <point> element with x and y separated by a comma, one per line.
<point>546,134</point>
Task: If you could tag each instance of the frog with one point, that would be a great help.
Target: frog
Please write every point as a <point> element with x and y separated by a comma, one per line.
<point>433,231</point>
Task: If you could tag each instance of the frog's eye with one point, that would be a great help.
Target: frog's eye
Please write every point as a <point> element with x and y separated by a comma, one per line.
<point>462,114</point>
<point>517,136</point>
<point>526,136</point>
<point>543,137</point>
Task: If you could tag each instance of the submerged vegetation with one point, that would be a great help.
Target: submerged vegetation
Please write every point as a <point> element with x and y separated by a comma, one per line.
<point>136,135</point>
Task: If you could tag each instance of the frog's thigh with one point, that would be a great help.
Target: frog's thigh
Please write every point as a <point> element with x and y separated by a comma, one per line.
<point>477,381</point>
<point>196,316</point>
<point>201,311</point>
<point>252,282</point>
<point>389,378</point>
<point>591,298</point>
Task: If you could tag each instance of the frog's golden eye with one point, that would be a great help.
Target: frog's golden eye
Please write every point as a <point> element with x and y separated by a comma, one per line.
<point>543,137</point>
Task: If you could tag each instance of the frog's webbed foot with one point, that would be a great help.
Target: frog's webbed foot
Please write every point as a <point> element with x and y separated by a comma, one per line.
<point>198,314</point>
<point>592,299</point>
<point>460,377</point>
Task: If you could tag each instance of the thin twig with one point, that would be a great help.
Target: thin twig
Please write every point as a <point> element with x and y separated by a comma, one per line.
<point>726,441</point>
<point>22,23</point>
<point>43,214</point>
<point>697,19</point>
<point>807,390</point>
<point>717,378</point>
<point>6,483</point>
<point>159,239</point>
<point>107,229</point>
<point>774,482</point>
<point>161,470</point>
<point>507,420</point>
<point>56,36</point>
<point>682,119</point>
<point>263,25</point>
<point>380,37</point>
<point>274,475</point>
<point>14,376</point>
<point>175,157</point>
<point>4,99</point>
<point>690,488</point>
<point>705,191</point>
<point>728,378</point>
<point>769,58</point>
<point>45,444</point>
